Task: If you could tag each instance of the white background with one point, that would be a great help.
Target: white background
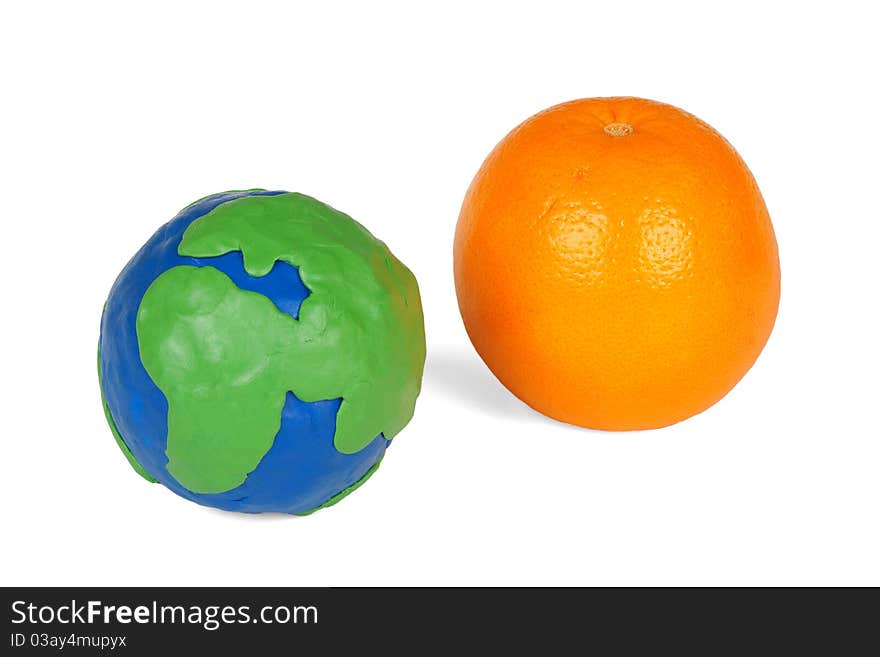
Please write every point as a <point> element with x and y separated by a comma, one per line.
<point>115,117</point>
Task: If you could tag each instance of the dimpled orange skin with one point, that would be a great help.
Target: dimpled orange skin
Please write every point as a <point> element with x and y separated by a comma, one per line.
<point>615,264</point>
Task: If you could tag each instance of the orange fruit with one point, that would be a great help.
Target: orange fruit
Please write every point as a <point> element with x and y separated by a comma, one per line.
<point>615,264</point>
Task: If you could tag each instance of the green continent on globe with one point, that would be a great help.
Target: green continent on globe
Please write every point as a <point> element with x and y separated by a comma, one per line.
<point>225,357</point>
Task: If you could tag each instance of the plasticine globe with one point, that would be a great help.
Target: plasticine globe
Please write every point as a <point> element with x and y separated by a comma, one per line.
<point>260,352</point>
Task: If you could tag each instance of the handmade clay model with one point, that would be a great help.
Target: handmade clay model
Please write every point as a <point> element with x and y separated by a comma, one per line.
<point>260,352</point>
